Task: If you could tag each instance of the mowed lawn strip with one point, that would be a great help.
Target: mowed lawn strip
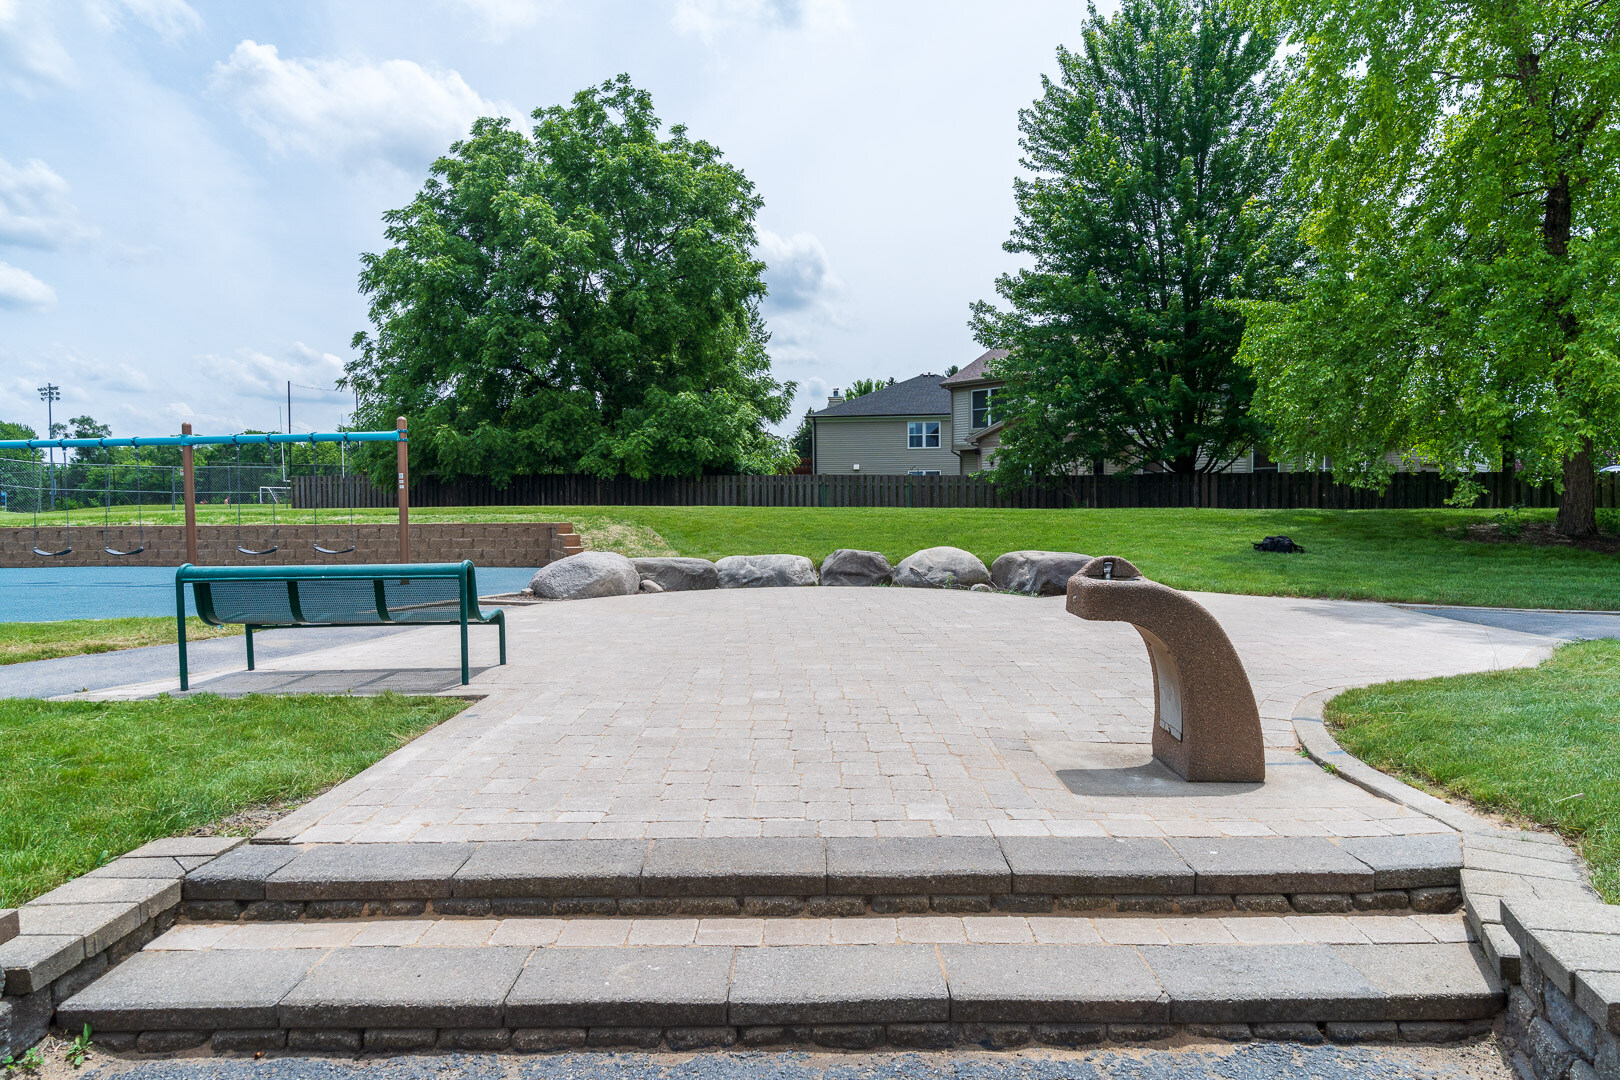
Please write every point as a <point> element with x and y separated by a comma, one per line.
<point>23,641</point>
<point>87,781</point>
<point>1540,745</point>
<point>1414,556</point>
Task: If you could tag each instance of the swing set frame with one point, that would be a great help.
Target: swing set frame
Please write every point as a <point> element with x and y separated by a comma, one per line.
<point>187,441</point>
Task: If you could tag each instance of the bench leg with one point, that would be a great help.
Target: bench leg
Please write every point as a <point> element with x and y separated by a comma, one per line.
<point>465,679</point>
<point>249,630</point>
<point>180,637</point>
<point>501,621</point>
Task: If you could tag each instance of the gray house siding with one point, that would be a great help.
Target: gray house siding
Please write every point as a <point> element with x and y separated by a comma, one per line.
<point>878,445</point>
<point>961,415</point>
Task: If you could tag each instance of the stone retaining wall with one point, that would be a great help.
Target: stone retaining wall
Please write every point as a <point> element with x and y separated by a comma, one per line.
<point>69,937</point>
<point>905,1036</point>
<point>1425,901</point>
<point>1564,1016</point>
<point>523,544</point>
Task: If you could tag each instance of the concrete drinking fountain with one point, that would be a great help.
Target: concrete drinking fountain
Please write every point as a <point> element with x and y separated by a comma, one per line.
<point>1206,726</point>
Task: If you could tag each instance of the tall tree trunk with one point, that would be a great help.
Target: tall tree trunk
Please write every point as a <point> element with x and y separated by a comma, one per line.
<point>1577,507</point>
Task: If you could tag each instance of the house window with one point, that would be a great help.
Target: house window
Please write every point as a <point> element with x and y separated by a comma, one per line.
<point>923,472</point>
<point>922,434</point>
<point>982,403</point>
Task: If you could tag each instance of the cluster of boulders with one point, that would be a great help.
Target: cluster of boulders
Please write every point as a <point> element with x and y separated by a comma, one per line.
<point>604,573</point>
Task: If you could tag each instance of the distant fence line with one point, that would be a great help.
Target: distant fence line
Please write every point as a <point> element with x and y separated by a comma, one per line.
<point>1248,491</point>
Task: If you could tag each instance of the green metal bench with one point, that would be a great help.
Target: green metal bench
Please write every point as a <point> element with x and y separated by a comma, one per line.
<point>390,594</point>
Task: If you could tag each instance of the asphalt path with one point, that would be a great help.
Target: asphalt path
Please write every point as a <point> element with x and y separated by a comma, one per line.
<point>1576,625</point>
<point>1251,1061</point>
<point>99,671</point>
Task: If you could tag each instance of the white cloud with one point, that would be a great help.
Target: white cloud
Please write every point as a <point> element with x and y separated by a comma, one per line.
<point>355,112</point>
<point>254,374</point>
<point>30,55</point>
<point>706,18</point>
<point>172,19</point>
<point>799,274</point>
<point>34,207</point>
<point>20,289</point>
<point>502,18</point>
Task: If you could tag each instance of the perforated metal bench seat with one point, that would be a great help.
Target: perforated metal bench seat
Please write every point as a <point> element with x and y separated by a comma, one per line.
<point>276,597</point>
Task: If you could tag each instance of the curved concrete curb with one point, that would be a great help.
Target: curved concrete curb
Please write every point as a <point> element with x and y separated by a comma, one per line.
<point>1499,863</point>
<point>1321,747</point>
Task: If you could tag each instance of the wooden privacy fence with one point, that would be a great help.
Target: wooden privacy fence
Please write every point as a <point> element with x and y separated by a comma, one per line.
<point>1249,491</point>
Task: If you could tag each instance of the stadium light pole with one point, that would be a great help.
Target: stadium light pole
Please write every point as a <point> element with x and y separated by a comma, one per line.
<point>50,393</point>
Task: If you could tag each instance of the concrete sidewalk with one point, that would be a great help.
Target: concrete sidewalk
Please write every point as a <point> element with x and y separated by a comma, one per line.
<point>103,671</point>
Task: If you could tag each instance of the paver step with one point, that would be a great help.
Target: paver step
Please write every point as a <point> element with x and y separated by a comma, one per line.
<point>832,876</point>
<point>925,981</point>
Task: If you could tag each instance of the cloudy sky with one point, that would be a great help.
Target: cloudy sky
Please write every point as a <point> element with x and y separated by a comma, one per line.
<point>185,188</point>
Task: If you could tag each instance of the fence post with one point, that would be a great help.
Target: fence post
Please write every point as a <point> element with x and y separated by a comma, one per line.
<point>189,469</point>
<point>402,457</point>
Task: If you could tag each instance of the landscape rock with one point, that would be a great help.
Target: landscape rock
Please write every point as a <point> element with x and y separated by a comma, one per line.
<point>765,571</point>
<point>849,566</point>
<point>648,585</point>
<point>980,588</point>
<point>674,574</point>
<point>1038,573</point>
<point>586,575</point>
<point>941,568</point>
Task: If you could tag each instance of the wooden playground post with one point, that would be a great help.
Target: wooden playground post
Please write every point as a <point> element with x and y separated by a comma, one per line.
<point>403,458</point>
<point>191,498</point>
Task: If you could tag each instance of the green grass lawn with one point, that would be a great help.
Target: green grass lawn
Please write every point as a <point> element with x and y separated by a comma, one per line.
<point>1402,555</point>
<point>84,782</point>
<point>20,641</point>
<point>1540,745</point>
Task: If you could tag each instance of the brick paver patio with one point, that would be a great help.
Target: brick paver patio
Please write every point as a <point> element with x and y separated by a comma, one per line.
<point>862,712</point>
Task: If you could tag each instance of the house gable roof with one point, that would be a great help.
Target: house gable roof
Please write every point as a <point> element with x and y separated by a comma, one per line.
<point>975,372</point>
<point>921,396</point>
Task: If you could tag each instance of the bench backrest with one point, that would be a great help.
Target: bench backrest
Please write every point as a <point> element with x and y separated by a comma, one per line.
<point>270,596</point>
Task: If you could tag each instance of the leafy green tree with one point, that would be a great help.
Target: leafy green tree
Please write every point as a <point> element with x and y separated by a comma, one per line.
<point>585,299</point>
<point>802,441</point>
<point>9,430</point>
<point>87,427</point>
<point>1463,163</point>
<point>1152,196</point>
<point>866,386</point>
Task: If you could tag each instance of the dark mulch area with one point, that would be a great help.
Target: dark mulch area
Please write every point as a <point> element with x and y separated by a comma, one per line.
<point>249,820</point>
<point>1540,534</point>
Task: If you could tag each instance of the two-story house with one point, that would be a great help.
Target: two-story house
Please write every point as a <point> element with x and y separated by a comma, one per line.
<point>927,426</point>
<point>933,425</point>
<point>973,420</point>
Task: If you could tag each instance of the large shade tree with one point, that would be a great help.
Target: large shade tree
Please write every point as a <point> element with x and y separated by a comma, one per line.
<point>584,298</point>
<point>1151,195</point>
<point>1463,161</point>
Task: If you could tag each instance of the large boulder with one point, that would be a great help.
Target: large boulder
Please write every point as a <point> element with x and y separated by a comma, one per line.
<point>941,568</point>
<point>586,575</point>
<point>1038,573</point>
<point>765,571</point>
<point>678,575</point>
<point>848,566</point>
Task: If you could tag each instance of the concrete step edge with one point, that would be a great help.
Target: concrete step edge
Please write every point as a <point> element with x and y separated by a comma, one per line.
<point>509,988</point>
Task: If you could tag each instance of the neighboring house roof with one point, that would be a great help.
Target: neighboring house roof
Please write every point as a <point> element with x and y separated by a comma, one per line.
<point>922,396</point>
<point>975,372</point>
